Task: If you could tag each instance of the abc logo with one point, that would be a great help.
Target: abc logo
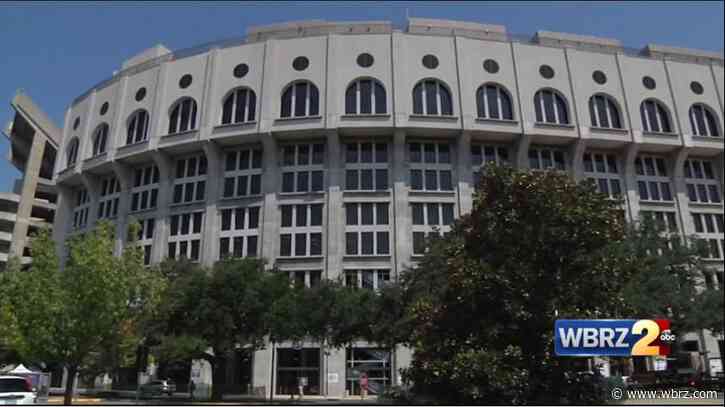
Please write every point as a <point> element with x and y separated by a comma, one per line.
<point>667,336</point>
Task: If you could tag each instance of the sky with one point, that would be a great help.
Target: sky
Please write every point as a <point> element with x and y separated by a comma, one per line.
<point>56,51</point>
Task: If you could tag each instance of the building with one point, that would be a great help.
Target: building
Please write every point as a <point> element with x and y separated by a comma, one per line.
<point>30,206</point>
<point>332,149</point>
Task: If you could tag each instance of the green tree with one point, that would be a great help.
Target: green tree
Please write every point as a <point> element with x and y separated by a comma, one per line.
<point>670,280</point>
<point>479,308</point>
<point>207,314</point>
<point>68,316</point>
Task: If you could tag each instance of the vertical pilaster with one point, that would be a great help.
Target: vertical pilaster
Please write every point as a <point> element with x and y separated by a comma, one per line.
<point>335,224</point>
<point>214,179</point>
<point>63,215</point>
<point>124,174</point>
<point>402,236</point>
<point>465,175</point>
<point>679,190</point>
<point>576,158</point>
<point>161,223</point>
<point>27,195</point>
<point>521,152</point>
<point>270,184</point>
<point>93,185</point>
<point>630,180</point>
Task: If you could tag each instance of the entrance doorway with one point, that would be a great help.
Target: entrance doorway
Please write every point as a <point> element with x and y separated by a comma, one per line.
<point>375,362</point>
<point>294,364</point>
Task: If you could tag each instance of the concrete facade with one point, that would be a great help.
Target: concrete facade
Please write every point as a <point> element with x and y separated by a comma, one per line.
<point>426,163</point>
<point>30,205</point>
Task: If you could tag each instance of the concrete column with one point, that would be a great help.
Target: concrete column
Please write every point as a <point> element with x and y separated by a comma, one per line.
<point>630,181</point>
<point>214,179</point>
<point>93,185</point>
<point>27,195</point>
<point>402,235</point>
<point>465,175</point>
<point>262,371</point>
<point>63,215</point>
<point>576,159</point>
<point>335,225</point>
<point>124,174</point>
<point>679,192</point>
<point>161,224</point>
<point>271,184</point>
<point>521,152</point>
<point>336,366</point>
<point>403,359</point>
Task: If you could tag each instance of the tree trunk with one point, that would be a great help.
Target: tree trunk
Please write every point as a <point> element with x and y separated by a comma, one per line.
<point>218,377</point>
<point>69,382</point>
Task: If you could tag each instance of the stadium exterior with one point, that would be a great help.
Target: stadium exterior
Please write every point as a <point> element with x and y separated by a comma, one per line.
<point>332,149</point>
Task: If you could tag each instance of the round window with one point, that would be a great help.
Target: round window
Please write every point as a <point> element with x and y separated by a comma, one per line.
<point>365,60</point>
<point>140,94</point>
<point>599,77</point>
<point>76,123</point>
<point>300,63</point>
<point>490,66</point>
<point>696,88</point>
<point>649,83</point>
<point>104,108</point>
<point>241,70</point>
<point>430,61</point>
<point>185,81</point>
<point>546,71</point>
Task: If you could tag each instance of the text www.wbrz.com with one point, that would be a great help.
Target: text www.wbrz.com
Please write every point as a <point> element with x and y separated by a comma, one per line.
<point>618,394</point>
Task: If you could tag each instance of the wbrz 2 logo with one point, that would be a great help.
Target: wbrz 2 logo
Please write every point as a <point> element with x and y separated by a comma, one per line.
<point>612,337</point>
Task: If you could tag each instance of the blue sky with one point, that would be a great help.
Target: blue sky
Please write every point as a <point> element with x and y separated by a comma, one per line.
<point>57,51</point>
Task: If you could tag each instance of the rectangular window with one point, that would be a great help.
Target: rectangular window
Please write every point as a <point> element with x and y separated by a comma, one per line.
<point>602,170</point>
<point>653,183</point>
<point>702,185</point>
<point>302,168</point>
<point>301,229</point>
<point>108,198</point>
<point>371,279</point>
<point>185,235</point>
<point>427,218</point>
<point>543,158</point>
<point>239,231</point>
<point>190,180</point>
<point>144,192</point>
<point>431,167</point>
<point>366,166</point>
<point>482,154</point>
<point>367,230</point>
<point>709,228</point>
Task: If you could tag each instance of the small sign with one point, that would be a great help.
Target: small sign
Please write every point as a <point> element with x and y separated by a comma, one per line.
<point>333,377</point>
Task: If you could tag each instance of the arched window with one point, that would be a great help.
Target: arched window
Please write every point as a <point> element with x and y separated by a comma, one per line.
<point>72,152</point>
<point>703,121</point>
<point>365,96</point>
<point>100,136</point>
<point>432,97</point>
<point>183,116</point>
<point>239,106</point>
<point>604,112</point>
<point>493,102</point>
<point>655,117</point>
<point>550,107</point>
<point>138,126</point>
<point>300,99</point>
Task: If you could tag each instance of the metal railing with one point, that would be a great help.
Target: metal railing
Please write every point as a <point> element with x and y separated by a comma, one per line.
<point>507,37</point>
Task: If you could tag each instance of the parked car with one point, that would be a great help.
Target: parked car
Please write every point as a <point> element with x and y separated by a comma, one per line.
<point>16,390</point>
<point>158,388</point>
